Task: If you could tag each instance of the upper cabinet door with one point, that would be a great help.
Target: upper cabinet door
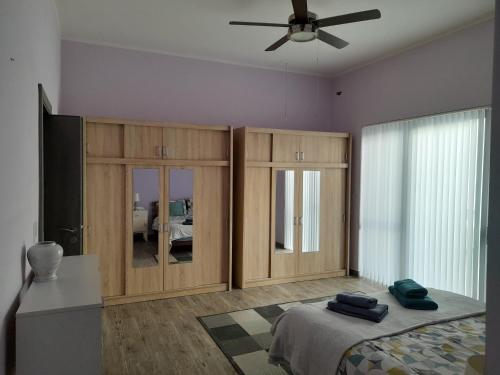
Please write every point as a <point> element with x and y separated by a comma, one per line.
<point>104,140</point>
<point>323,149</point>
<point>195,144</point>
<point>143,142</point>
<point>259,146</point>
<point>286,148</point>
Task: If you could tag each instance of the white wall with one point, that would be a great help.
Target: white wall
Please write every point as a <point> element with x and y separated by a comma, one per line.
<point>493,282</point>
<point>29,54</point>
<point>451,73</point>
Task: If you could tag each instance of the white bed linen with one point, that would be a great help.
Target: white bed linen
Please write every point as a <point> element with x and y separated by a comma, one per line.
<point>176,229</point>
<point>311,340</point>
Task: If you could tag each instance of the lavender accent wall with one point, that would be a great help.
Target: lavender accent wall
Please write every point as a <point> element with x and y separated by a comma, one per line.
<point>451,73</point>
<point>29,54</point>
<point>113,82</point>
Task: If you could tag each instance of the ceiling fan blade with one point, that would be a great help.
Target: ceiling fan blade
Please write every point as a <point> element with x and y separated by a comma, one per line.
<point>279,43</point>
<point>300,11</point>
<point>349,18</point>
<point>243,23</point>
<point>332,39</point>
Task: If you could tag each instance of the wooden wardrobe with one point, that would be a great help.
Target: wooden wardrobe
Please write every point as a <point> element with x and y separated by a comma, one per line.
<point>291,200</point>
<point>137,175</point>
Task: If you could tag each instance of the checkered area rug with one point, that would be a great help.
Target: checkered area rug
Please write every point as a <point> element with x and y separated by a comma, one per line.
<point>244,336</point>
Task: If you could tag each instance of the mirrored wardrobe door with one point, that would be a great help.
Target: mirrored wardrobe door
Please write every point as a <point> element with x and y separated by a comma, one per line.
<point>309,220</point>
<point>284,238</point>
<point>145,229</point>
<point>285,218</point>
<point>311,254</point>
<point>180,215</point>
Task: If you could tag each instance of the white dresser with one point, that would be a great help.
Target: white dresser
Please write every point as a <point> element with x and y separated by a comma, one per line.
<point>58,324</point>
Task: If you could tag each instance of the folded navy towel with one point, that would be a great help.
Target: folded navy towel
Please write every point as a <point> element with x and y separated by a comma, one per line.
<point>425,303</point>
<point>375,315</point>
<point>358,300</point>
<point>410,288</point>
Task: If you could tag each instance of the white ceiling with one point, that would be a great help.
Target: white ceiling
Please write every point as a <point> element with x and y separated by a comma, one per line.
<point>200,29</point>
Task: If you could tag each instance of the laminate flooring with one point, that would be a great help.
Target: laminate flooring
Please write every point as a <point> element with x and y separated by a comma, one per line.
<point>164,336</point>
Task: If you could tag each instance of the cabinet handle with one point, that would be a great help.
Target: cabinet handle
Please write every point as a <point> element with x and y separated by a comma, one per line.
<point>302,155</point>
<point>295,220</point>
<point>300,220</point>
<point>297,156</point>
<point>165,152</point>
<point>158,151</point>
<point>88,148</point>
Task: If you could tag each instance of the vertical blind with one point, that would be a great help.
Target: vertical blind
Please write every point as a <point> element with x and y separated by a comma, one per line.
<point>424,191</point>
<point>310,210</point>
<point>289,214</point>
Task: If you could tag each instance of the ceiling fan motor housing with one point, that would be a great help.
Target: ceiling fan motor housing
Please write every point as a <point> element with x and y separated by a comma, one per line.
<point>300,32</point>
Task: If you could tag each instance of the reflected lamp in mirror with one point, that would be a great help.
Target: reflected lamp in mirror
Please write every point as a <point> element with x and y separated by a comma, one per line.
<point>137,199</point>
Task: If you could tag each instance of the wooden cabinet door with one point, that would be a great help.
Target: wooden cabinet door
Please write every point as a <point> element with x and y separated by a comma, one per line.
<point>143,142</point>
<point>211,235</point>
<point>333,226</point>
<point>286,148</point>
<point>195,144</point>
<point>284,222</point>
<point>104,140</point>
<point>106,224</point>
<point>257,223</point>
<point>323,149</point>
<point>258,146</point>
<point>144,241</point>
<point>312,189</point>
<point>210,232</point>
<point>321,224</point>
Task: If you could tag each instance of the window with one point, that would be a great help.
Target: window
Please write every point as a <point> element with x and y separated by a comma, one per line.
<point>424,189</point>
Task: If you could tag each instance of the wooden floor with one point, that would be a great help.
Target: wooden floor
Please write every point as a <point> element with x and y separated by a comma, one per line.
<point>164,337</point>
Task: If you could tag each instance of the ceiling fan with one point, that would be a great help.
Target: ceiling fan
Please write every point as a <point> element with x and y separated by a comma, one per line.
<point>304,26</point>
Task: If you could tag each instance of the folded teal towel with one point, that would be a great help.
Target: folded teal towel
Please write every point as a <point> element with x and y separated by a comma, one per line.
<point>425,303</point>
<point>410,288</point>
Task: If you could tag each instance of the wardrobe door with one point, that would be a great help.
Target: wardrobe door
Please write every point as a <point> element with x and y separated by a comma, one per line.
<point>332,226</point>
<point>106,224</point>
<point>284,223</point>
<point>323,149</point>
<point>198,237</point>
<point>286,148</point>
<point>144,229</point>
<point>104,140</point>
<point>143,142</point>
<point>195,144</point>
<point>181,237</point>
<point>311,210</point>
<point>259,146</point>
<point>211,235</point>
<point>257,221</point>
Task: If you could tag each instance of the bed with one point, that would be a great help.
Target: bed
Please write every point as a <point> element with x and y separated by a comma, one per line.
<point>309,339</point>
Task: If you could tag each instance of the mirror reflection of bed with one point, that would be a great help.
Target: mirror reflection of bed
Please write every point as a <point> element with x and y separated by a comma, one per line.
<point>146,188</point>
<point>180,220</point>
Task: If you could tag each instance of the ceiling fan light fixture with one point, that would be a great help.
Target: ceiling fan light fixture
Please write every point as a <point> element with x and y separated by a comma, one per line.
<point>302,33</point>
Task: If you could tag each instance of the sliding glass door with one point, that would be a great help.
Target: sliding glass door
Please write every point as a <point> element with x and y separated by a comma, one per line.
<point>423,199</point>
